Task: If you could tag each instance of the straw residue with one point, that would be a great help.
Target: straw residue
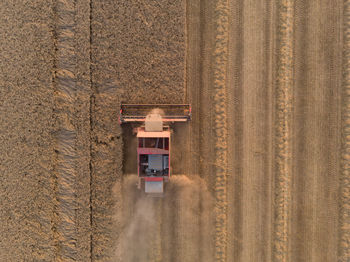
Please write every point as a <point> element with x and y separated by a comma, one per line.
<point>284,84</point>
<point>220,125</point>
<point>344,245</point>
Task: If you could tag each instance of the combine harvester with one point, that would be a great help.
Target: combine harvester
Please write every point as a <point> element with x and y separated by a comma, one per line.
<point>153,140</point>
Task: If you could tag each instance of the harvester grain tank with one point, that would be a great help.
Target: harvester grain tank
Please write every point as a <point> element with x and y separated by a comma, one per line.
<point>153,131</point>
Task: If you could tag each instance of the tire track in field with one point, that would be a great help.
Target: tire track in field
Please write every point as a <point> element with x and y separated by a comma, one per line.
<point>71,219</point>
<point>65,223</point>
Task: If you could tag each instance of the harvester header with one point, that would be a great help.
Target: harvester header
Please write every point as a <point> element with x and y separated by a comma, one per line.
<point>169,112</point>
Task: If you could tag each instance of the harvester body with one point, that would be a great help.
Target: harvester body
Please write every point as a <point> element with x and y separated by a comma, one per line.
<point>154,140</point>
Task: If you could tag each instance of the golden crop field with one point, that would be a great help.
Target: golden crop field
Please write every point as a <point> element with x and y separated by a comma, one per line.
<point>260,173</point>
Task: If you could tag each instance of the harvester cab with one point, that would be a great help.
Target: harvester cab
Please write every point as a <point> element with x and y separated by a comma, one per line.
<point>153,132</point>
